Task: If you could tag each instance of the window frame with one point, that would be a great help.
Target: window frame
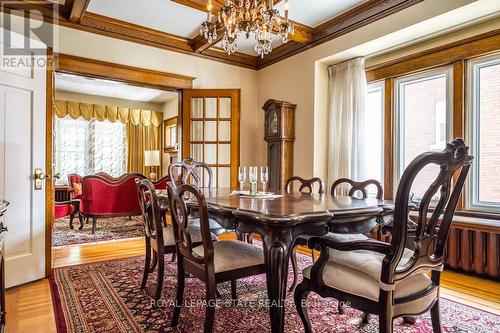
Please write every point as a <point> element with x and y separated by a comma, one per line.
<point>472,202</point>
<point>399,119</point>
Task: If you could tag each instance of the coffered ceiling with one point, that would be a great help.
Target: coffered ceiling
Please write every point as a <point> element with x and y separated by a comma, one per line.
<point>174,24</point>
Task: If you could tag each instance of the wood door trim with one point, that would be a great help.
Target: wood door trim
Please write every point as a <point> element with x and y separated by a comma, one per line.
<point>49,184</point>
<point>133,75</point>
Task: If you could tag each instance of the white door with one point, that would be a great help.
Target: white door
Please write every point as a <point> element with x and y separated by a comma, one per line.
<point>22,149</point>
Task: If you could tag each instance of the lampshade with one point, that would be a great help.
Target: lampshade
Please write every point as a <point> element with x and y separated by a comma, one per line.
<point>151,157</point>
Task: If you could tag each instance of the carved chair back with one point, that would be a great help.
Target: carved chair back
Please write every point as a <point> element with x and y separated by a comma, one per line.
<point>148,201</point>
<point>305,184</point>
<point>429,239</point>
<point>357,186</point>
<point>189,172</point>
<point>178,195</point>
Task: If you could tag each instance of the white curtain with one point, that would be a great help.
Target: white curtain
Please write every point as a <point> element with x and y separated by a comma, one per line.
<point>347,92</point>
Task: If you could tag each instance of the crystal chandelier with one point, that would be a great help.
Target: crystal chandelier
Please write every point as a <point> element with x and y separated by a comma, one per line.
<point>253,18</point>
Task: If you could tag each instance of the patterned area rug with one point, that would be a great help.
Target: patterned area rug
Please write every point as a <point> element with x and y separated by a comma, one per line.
<point>107,230</point>
<point>106,297</point>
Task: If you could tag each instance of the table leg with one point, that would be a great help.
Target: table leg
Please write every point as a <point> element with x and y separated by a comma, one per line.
<point>277,248</point>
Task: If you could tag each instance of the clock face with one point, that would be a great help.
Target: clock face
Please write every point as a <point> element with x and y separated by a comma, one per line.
<point>273,122</point>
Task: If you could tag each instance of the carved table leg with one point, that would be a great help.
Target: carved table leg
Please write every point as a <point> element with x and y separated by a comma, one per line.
<point>277,248</point>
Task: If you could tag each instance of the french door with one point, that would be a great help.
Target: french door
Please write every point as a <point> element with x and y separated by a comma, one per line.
<point>211,132</point>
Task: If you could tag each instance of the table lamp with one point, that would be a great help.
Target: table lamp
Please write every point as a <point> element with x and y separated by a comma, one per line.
<point>152,159</point>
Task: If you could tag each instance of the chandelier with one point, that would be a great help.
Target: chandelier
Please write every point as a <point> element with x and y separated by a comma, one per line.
<point>255,19</point>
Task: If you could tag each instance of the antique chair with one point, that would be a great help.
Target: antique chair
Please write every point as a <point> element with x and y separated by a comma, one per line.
<point>162,183</point>
<point>388,279</point>
<point>75,191</point>
<point>103,198</point>
<point>188,172</point>
<point>212,263</point>
<point>159,236</point>
<point>360,219</point>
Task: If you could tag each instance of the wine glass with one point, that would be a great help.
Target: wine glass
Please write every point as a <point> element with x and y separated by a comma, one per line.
<point>242,176</point>
<point>264,177</point>
<point>252,176</point>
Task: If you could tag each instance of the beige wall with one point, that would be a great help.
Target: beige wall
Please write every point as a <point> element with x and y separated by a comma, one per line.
<point>303,79</point>
<point>102,100</point>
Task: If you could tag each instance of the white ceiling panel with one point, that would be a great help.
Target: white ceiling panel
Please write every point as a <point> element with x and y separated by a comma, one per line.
<point>314,12</point>
<point>108,88</point>
<point>247,46</point>
<point>162,15</point>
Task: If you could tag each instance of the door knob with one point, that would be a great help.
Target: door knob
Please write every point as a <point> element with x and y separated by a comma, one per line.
<point>57,175</point>
<point>39,176</point>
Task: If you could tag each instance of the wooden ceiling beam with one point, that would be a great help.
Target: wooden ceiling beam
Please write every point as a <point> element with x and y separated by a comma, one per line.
<point>304,38</point>
<point>355,18</point>
<point>76,9</point>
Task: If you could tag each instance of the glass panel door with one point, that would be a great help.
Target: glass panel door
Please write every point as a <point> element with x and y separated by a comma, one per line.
<point>211,132</point>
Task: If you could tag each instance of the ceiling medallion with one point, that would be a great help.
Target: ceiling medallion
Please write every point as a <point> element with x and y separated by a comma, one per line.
<point>253,18</point>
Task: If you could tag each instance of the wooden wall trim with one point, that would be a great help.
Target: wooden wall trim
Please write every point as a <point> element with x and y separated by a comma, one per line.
<point>133,75</point>
<point>388,140</point>
<point>49,182</point>
<point>74,15</point>
<point>355,18</point>
<point>458,125</point>
<point>476,46</point>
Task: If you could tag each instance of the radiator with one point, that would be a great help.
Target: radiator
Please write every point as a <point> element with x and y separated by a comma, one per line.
<point>473,246</point>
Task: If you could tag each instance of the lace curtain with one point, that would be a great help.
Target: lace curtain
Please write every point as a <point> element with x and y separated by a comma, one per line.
<point>87,147</point>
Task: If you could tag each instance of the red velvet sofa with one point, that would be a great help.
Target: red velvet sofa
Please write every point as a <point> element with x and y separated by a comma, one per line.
<point>103,198</point>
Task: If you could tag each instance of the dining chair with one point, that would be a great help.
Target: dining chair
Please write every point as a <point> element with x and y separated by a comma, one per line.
<point>199,174</point>
<point>388,279</point>
<point>306,186</point>
<point>355,219</point>
<point>159,236</point>
<point>212,262</point>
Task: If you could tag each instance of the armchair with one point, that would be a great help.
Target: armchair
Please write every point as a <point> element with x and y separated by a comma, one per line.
<point>388,279</point>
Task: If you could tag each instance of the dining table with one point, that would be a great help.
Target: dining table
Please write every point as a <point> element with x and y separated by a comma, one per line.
<point>279,220</point>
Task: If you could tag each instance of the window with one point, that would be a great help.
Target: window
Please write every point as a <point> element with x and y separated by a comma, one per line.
<point>87,147</point>
<point>423,121</point>
<point>484,134</point>
<point>374,133</point>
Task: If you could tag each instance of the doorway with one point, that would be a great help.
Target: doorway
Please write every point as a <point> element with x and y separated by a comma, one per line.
<point>100,119</point>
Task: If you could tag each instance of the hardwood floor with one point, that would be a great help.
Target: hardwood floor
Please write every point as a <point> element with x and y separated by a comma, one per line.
<point>29,307</point>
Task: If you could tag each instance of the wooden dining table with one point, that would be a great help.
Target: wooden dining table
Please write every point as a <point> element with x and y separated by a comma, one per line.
<point>279,221</point>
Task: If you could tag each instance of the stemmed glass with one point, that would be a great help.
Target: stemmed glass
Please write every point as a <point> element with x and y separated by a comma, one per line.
<point>242,176</point>
<point>264,177</point>
<point>252,176</point>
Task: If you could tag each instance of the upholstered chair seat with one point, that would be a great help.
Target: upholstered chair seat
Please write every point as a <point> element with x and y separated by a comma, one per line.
<point>232,254</point>
<point>358,273</point>
<point>194,231</point>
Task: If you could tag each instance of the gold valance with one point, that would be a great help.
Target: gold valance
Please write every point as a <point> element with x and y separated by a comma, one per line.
<point>112,113</point>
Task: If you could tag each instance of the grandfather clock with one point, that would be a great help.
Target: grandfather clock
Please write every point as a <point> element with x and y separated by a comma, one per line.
<point>279,134</point>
